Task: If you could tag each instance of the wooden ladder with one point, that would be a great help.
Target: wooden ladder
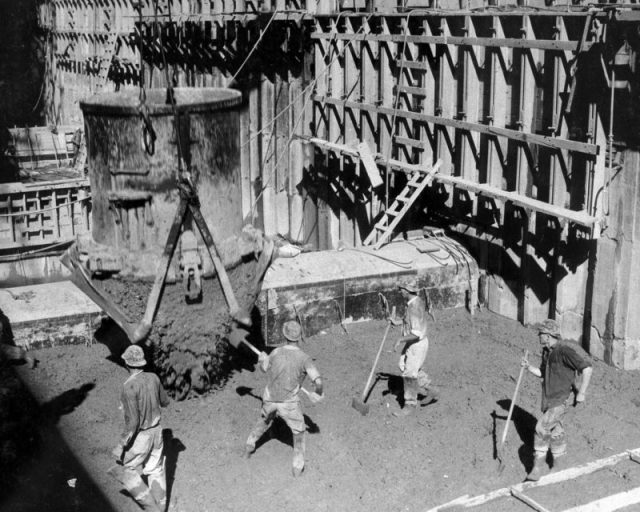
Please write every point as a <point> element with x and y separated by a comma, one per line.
<point>419,179</point>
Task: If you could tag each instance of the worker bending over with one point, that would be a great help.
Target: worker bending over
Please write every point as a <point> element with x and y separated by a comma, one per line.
<point>286,368</point>
<point>561,362</point>
<point>414,352</point>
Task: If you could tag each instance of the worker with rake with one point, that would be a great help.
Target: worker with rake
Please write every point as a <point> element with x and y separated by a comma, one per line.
<point>286,368</point>
<point>140,450</point>
<point>561,363</point>
<point>414,352</point>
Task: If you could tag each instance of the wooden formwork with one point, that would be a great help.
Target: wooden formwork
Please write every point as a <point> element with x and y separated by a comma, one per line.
<point>514,100</point>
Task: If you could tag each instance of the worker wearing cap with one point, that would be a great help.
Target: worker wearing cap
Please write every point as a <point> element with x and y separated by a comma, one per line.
<point>140,449</point>
<point>414,352</point>
<point>561,362</point>
<point>286,368</point>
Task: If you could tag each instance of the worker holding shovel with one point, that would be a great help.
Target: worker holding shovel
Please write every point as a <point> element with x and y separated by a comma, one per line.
<point>286,368</point>
<point>561,361</point>
<point>414,352</point>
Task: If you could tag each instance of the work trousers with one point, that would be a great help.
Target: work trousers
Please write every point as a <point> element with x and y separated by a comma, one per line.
<point>145,457</point>
<point>291,413</point>
<point>414,377</point>
<point>550,433</point>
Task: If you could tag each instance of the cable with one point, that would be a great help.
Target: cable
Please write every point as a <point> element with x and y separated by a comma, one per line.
<point>255,46</point>
<point>318,76</point>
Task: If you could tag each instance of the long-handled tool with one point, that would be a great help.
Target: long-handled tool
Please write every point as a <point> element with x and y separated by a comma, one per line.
<point>359,404</point>
<point>511,407</point>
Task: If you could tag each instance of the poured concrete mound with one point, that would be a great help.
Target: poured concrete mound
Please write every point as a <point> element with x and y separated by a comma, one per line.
<point>326,288</point>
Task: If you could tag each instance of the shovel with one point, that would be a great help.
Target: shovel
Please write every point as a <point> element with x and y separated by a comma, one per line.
<point>511,407</point>
<point>238,336</point>
<point>359,403</point>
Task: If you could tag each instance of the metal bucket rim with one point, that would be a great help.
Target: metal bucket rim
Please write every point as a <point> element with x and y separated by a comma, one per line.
<point>188,99</point>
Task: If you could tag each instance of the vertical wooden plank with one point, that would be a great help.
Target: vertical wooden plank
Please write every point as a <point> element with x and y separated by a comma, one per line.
<point>387,97</point>
<point>473,61</point>
<point>369,122</point>
<point>268,156</point>
<point>429,104</point>
<point>282,127</point>
<point>321,128</point>
<point>296,160</point>
<point>245,161</point>
<point>446,100</point>
<point>336,129</point>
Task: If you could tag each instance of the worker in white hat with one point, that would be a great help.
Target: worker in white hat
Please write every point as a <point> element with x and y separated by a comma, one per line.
<point>286,367</point>
<point>414,352</point>
<point>140,450</point>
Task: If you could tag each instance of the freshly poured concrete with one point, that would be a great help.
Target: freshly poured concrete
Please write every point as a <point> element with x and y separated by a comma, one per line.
<point>49,314</point>
<point>326,288</point>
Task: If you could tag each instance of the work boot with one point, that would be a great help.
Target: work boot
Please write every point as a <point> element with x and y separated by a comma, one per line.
<point>429,396</point>
<point>559,462</point>
<point>538,468</point>
<point>407,410</point>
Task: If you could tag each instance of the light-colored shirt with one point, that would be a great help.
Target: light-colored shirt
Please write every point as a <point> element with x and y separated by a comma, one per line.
<point>286,368</point>
<point>415,317</point>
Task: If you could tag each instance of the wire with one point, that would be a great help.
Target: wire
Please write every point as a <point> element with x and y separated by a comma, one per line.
<point>318,76</point>
<point>36,212</point>
<point>255,46</point>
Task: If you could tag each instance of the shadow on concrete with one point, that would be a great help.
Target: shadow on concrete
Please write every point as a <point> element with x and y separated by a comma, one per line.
<point>525,425</point>
<point>39,471</point>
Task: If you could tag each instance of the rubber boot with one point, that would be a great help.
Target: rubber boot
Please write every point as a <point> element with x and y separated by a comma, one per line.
<point>407,410</point>
<point>430,396</point>
<point>298,454</point>
<point>559,462</point>
<point>538,468</point>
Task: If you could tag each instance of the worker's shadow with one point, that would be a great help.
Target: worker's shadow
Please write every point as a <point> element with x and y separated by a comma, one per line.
<point>172,449</point>
<point>525,425</point>
<point>395,386</point>
<point>278,429</point>
<point>65,403</point>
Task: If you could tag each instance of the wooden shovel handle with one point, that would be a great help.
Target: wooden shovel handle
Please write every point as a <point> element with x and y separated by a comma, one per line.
<point>375,363</point>
<point>513,401</point>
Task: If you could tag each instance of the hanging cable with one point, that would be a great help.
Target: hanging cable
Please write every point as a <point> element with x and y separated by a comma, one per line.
<point>606,196</point>
<point>304,91</point>
<point>148,133</point>
<point>255,46</point>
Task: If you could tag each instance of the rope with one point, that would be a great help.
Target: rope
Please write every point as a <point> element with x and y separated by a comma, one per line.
<point>255,46</point>
<point>36,212</point>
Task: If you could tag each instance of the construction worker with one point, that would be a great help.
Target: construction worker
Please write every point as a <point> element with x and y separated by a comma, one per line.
<point>561,363</point>
<point>140,450</point>
<point>414,352</point>
<point>286,368</point>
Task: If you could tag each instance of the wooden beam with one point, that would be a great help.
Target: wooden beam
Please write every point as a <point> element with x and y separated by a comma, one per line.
<point>529,138</point>
<point>540,44</point>
<point>526,499</point>
<point>610,503</point>
<point>551,478</point>
<point>578,217</point>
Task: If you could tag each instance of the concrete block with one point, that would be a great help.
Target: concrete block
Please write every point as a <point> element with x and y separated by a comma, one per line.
<point>325,288</point>
<point>51,314</point>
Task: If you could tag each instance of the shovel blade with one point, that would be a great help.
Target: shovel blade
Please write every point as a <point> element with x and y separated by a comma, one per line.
<point>360,406</point>
<point>237,336</point>
<point>116,472</point>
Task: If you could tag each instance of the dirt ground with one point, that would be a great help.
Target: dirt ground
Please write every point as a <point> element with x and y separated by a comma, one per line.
<point>359,463</point>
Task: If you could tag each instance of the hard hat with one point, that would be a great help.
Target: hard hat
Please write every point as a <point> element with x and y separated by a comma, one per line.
<point>550,327</point>
<point>292,331</point>
<point>134,356</point>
